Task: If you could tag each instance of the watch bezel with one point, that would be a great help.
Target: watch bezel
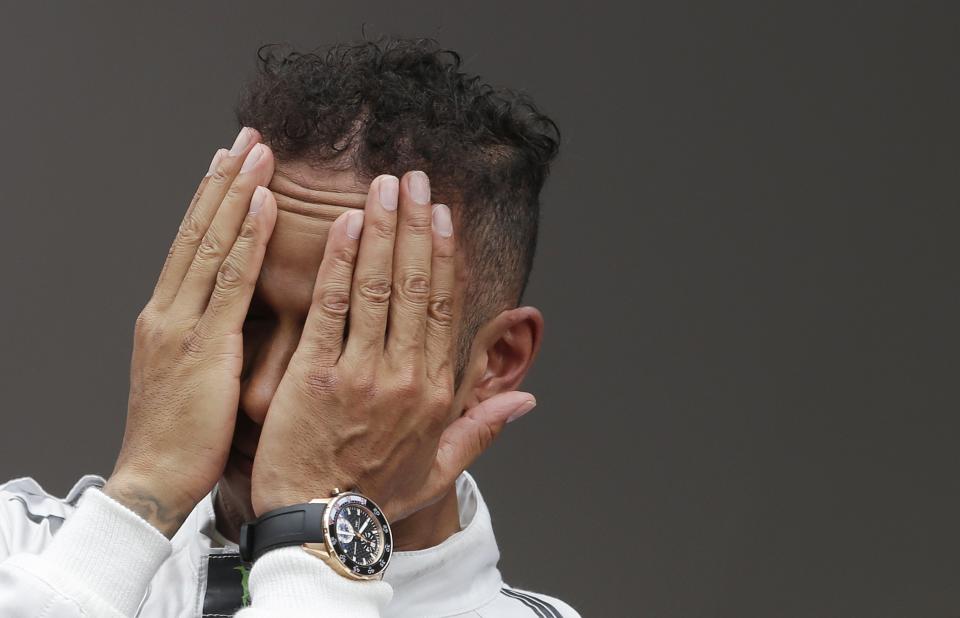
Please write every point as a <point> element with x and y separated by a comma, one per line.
<point>347,564</point>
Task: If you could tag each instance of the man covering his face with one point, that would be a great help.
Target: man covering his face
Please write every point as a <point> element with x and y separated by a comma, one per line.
<point>339,315</point>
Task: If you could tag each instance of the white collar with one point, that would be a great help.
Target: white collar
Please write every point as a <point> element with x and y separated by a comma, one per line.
<point>467,560</point>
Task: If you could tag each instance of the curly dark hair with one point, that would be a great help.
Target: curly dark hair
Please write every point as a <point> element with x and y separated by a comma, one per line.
<point>394,105</point>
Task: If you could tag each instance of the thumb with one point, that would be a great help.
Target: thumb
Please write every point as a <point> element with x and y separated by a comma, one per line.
<point>471,434</point>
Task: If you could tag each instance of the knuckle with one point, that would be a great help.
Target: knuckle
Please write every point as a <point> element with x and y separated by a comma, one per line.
<point>220,177</point>
<point>445,261</point>
<point>238,192</point>
<point>343,259</point>
<point>484,436</point>
<point>191,344</point>
<point>229,276</point>
<point>375,290</point>
<point>415,285</point>
<point>405,391</point>
<point>440,308</point>
<point>145,318</point>
<point>364,385</point>
<point>146,328</point>
<point>321,380</point>
<point>248,231</point>
<point>406,383</point>
<point>419,226</point>
<point>334,299</point>
<point>209,248</point>
<point>383,228</point>
<point>480,435</point>
<point>190,230</point>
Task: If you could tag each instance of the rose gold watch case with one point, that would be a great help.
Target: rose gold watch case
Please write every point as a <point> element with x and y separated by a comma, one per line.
<point>329,550</point>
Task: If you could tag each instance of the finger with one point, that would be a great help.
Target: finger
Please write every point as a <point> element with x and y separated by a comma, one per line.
<point>439,338</point>
<point>373,275</point>
<point>411,269</point>
<point>239,272</point>
<point>203,208</point>
<point>322,340</point>
<point>194,293</point>
<point>473,433</point>
<point>167,284</point>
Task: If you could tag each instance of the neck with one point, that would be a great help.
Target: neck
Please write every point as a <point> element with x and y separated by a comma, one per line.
<point>426,528</point>
<point>227,517</point>
<point>430,526</point>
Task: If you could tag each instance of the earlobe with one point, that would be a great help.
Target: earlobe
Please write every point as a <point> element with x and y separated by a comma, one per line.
<point>509,344</point>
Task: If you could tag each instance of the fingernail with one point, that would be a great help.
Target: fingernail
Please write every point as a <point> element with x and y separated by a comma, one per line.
<point>217,157</point>
<point>420,188</point>
<point>526,407</point>
<point>389,189</point>
<point>252,158</point>
<point>243,140</point>
<point>355,224</point>
<point>259,197</point>
<point>441,220</point>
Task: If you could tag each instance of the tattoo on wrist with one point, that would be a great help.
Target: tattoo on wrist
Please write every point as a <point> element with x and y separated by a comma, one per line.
<point>147,505</point>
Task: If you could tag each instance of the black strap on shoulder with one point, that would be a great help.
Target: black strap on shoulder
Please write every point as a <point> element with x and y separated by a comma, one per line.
<point>290,525</point>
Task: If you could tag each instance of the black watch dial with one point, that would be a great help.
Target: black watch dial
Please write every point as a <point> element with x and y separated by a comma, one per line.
<point>359,534</point>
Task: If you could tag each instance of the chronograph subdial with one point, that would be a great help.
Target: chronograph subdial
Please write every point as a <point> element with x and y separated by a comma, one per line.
<point>359,534</point>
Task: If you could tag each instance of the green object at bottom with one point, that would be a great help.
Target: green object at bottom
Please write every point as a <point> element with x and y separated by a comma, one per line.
<point>245,582</point>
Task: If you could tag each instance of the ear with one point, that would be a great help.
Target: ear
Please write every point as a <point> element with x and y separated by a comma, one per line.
<point>503,352</point>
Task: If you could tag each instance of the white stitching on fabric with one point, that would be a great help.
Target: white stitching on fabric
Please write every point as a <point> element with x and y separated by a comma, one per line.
<point>224,556</point>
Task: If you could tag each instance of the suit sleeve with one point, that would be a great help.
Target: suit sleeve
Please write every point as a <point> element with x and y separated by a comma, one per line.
<point>290,583</point>
<point>99,564</point>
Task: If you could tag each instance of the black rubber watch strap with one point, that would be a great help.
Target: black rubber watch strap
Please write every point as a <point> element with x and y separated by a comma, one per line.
<point>290,525</point>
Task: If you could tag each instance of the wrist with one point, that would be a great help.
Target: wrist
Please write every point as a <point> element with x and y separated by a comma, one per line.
<point>348,531</point>
<point>161,508</point>
<point>271,489</point>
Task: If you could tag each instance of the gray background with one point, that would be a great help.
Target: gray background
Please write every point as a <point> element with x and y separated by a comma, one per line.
<point>748,267</point>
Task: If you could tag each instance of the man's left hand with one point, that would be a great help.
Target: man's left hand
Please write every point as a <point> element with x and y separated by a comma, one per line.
<point>372,411</point>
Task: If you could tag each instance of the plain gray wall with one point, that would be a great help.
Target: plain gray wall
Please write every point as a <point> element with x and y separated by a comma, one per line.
<point>748,388</point>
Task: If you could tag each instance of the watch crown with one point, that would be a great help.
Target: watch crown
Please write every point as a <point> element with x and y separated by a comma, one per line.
<point>336,492</point>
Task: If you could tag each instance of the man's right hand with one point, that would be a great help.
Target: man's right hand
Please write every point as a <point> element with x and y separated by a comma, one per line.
<point>188,349</point>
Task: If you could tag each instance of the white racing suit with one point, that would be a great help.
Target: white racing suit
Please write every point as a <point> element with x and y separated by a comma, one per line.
<point>87,556</point>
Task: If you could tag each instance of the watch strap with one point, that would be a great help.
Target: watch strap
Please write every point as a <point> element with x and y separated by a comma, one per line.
<point>290,525</point>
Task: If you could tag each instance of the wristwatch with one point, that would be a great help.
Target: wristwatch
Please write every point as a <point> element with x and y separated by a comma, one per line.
<point>347,531</point>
